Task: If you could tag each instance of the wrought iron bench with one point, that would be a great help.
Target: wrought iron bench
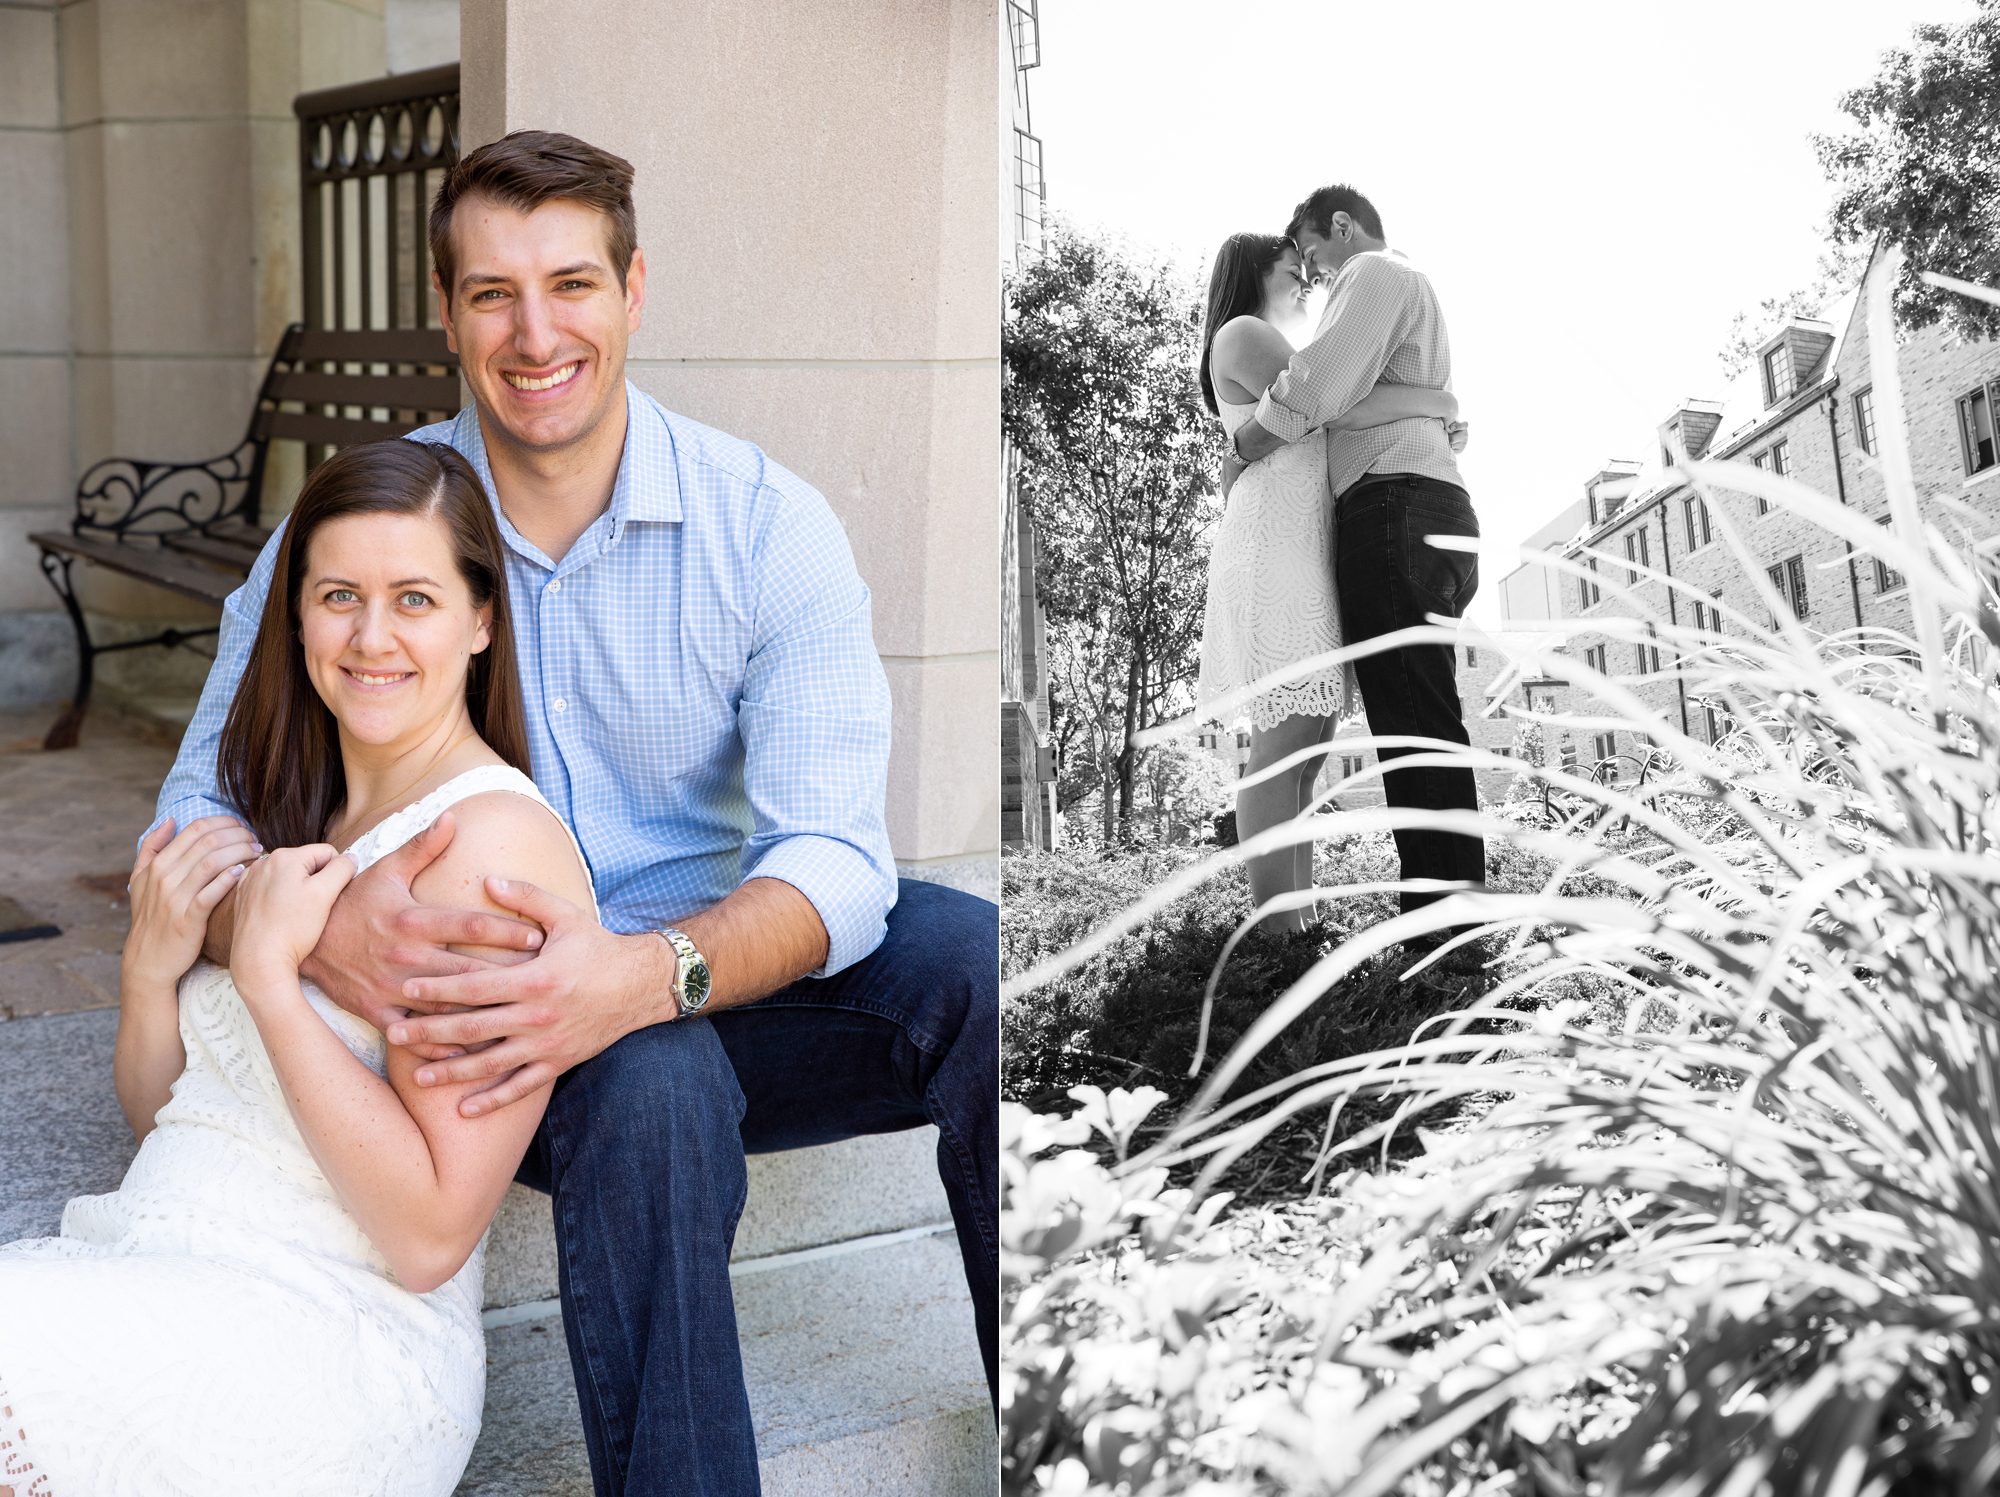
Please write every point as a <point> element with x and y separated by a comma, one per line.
<point>193,528</point>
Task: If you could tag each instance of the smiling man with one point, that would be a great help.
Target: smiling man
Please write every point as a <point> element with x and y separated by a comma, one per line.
<point>707,711</point>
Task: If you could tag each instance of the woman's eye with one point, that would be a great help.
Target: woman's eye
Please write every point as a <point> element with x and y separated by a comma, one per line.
<point>415,600</point>
<point>340,595</point>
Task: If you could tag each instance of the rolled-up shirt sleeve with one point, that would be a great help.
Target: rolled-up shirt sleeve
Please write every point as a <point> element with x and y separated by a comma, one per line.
<point>191,790</point>
<point>1334,373</point>
<point>814,721</point>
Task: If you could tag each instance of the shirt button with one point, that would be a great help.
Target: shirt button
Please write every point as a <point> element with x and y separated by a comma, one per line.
<point>561,705</point>
<point>554,587</point>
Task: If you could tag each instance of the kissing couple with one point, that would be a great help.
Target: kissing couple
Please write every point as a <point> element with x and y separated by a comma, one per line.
<point>1345,519</point>
<point>531,827</point>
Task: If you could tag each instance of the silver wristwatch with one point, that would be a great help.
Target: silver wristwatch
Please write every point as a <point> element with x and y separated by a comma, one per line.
<point>690,972</point>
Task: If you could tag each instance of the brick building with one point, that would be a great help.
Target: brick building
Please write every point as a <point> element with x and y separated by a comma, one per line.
<point>1804,408</point>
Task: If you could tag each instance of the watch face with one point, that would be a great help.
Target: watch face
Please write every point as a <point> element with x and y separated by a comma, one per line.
<point>694,984</point>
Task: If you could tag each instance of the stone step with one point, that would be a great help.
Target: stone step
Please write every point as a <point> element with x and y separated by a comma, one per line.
<point>857,1332</point>
<point>862,1368</point>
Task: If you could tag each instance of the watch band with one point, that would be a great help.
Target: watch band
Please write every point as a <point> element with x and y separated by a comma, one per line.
<point>689,996</point>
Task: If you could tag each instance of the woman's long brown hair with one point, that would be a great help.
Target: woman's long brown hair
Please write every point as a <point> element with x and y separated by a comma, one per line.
<point>279,759</point>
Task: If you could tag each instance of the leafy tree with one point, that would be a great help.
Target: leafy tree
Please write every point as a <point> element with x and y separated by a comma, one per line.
<point>1101,403</point>
<point>1924,166</point>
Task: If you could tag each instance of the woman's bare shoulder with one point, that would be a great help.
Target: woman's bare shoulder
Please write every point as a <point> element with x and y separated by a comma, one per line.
<point>1247,331</point>
<point>507,834</point>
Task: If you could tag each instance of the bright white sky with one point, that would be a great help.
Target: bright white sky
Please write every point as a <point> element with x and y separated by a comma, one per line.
<point>1595,189</point>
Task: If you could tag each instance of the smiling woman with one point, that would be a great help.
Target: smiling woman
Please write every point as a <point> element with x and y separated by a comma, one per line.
<point>416,666</point>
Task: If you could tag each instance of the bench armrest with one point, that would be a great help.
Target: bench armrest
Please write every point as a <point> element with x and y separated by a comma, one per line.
<point>123,496</point>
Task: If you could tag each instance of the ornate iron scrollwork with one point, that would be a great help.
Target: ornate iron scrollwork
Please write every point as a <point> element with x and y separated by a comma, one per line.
<point>124,496</point>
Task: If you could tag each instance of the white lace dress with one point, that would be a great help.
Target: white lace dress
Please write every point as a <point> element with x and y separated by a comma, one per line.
<point>1271,598</point>
<point>219,1326</point>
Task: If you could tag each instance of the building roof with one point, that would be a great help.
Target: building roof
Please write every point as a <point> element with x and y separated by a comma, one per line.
<point>1744,416</point>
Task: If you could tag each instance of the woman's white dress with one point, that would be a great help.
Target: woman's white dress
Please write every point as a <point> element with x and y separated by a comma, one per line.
<point>1271,599</point>
<point>220,1325</point>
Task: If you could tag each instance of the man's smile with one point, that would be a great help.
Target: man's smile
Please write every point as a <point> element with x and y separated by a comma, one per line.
<point>562,376</point>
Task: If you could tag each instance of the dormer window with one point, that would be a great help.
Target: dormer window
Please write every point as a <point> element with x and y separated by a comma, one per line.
<point>1666,458</point>
<point>1779,381</point>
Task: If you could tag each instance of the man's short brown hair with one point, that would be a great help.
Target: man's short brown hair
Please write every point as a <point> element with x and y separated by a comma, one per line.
<point>526,169</point>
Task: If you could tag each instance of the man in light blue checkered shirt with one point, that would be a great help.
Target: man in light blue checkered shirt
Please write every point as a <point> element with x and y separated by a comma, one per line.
<point>707,711</point>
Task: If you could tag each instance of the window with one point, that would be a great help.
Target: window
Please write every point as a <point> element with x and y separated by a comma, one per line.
<point>1210,740</point>
<point>1696,511</point>
<point>1471,658</point>
<point>1777,374</point>
<point>1975,424</point>
<point>1707,617</point>
<point>1636,551</point>
<point>1762,460</point>
<point>1594,658</point>
<point>1026,24</point>
<point>1789,578</point>
<point>1666,458</point>
<point>1781,459</point>
<point>1587,591</point>
<point>1242,738</point>
<point>1029,193</point>
<point>1351,765</point>
<point>1648,659</point>
<point>1887,578</point>
<point>1605,745</point>
<point>1864,419</point>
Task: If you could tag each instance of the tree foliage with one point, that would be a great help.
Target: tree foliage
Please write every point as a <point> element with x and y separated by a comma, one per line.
<point>1102,406</point>
<point>1923,167</point>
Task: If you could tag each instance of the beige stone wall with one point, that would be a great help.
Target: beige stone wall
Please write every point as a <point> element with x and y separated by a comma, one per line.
<point>35,408</point>
<point>814,200</point>
<point>148,159</point>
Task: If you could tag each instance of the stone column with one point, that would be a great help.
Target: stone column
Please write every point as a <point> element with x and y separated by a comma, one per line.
<point>35,412</point>
<point>817,212</point>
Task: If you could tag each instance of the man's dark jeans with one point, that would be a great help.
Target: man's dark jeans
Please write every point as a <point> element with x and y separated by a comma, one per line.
<point>1390,579</point>
<point>642,1150</point>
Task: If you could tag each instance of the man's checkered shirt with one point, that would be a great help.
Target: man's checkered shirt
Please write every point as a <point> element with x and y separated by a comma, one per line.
<point>704,700</point>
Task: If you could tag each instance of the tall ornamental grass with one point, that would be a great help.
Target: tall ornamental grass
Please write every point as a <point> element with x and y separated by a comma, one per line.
<point>1737,1232</point>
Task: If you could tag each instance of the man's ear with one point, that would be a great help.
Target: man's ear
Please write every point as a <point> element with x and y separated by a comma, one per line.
<point>635,290</point>
<point>444,312</point>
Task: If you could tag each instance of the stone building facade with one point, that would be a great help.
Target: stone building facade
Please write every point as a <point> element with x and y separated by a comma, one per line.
<point>1805,408</point>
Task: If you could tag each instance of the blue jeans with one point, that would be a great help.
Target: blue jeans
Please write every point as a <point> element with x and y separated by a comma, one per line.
<point>642,1150</point>
<point>1390,579</point>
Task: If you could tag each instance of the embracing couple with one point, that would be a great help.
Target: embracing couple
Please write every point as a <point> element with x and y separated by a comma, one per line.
<point>1350,521</point>
<point>531,828</point>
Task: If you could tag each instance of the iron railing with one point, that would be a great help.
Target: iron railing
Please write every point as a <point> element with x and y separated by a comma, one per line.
<point>371,156</point>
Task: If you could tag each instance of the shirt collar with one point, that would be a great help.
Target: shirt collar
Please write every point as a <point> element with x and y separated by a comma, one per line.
<point>647,487</point>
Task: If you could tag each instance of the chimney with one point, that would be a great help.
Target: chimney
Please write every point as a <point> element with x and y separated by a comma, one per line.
<point>1685,435</point>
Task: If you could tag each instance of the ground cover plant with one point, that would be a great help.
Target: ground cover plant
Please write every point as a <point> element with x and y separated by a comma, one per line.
<point>1737,1232</point>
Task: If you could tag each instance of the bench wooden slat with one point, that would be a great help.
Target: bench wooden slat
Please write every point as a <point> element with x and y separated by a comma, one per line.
<point>219,550</point>
<point>256,537</point>
<point>335,431</point>
<point>396,392</point>
<point>380,345</point>
<point>154,564</point>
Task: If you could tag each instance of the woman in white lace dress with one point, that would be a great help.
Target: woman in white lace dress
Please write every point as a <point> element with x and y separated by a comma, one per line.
<point>283,1295</point>
<point>1271,600</point>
